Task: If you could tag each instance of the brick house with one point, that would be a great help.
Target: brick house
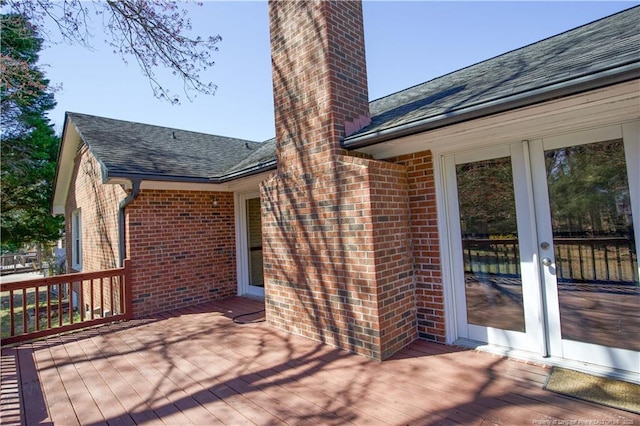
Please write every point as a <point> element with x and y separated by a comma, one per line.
<point>180,191</point>
<point>495,207</point>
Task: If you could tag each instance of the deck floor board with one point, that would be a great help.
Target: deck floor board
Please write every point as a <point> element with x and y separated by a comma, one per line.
<point>197,366</point>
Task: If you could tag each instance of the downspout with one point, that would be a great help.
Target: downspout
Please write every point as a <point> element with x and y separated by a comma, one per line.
<point>135,190</point>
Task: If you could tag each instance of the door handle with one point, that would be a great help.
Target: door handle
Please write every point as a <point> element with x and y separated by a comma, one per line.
<point>546,261</point>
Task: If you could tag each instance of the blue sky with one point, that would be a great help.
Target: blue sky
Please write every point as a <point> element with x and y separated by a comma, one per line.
<point>407,43</point>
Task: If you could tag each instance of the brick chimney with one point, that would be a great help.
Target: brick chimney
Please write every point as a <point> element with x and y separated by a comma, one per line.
<point>319,76</point>
<point>336,231</point>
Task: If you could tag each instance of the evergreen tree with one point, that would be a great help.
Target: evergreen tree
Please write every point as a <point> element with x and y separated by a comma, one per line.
<point>29,144</point>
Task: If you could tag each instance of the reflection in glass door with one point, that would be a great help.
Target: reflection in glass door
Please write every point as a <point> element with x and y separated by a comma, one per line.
<point>594,245</point>
<point>590,269</point>
<point>493,285</point>
<point>497,288</point>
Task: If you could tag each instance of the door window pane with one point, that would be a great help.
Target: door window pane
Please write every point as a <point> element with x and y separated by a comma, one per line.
<point>254,227</point>
<point>493,285</point>
<point>596,262</point>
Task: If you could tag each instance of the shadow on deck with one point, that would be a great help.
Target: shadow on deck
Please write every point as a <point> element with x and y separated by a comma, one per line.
<point>198,366</point>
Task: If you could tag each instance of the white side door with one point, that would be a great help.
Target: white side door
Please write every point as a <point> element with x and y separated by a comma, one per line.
<point>249,244</point>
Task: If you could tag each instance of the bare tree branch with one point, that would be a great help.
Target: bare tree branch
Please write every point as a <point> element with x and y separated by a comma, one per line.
<point>152,31</point>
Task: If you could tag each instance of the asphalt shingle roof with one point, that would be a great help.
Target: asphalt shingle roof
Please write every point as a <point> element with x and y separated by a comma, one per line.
<point>612,43</point>
<point>127,149</point>
<point>609,43</point>
<point>262,155</point>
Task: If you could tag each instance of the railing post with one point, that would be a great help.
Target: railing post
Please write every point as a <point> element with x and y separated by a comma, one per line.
<point>128,295</point>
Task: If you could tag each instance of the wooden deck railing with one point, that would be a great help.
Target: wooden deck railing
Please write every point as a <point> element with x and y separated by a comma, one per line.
<point>50,305</point>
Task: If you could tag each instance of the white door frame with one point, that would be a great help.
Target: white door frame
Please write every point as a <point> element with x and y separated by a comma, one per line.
<point>242,246</point>
<point>530,195</point>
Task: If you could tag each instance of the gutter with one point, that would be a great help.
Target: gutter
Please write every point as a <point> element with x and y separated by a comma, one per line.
<point>135,190</point>
<point>262,167</point>
<point>139,177</point>
<point>563,89</point>
<point>145,176</point>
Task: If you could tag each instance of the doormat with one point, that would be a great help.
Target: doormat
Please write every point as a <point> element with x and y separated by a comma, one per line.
<point>610,392</point>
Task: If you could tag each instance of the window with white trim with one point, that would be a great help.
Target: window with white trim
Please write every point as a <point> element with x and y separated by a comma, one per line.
<point>76,240</point>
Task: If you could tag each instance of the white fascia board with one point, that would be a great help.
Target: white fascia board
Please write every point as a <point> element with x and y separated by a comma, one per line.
<point>64,171</point>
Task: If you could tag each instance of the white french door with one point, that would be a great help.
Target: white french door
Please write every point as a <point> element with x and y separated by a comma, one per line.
<point>543,246</point>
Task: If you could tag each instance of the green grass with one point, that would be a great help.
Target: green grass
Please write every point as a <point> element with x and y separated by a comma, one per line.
<point>19,306</point>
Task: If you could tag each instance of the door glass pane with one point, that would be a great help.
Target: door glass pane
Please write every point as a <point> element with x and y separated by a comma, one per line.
<point>493,286</point>
<point>254,236</point>
<point>596,261</point>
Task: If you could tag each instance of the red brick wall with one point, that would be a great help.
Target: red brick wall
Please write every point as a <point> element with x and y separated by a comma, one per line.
<point>426,245</point>
<point>99,212</point>
<point>337,258</point>
<point>182,249</point>
<point>98,204</point>
<point>393,256</point>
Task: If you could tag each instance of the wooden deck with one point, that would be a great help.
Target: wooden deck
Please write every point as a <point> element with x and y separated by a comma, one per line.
<point>196,366</point>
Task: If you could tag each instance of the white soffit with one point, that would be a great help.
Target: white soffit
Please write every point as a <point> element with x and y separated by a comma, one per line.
<point>240,185</point>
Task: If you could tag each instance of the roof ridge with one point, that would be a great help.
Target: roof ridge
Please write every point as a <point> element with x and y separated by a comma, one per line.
<point>157,126</point>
